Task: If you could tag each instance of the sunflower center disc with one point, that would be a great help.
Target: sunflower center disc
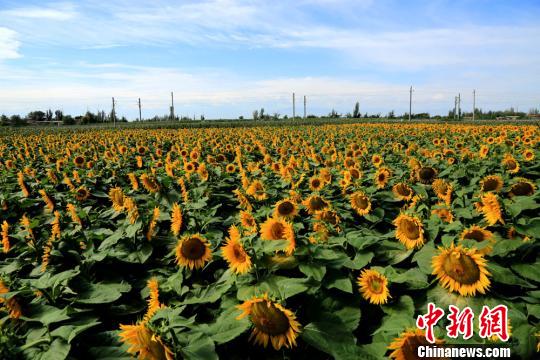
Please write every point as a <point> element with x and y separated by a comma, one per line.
<point>286,208</point>
<point>269,319</point>
<point>193,249</point>
<point>410,347</point>
<point>522,188</point>
<point>475,235</point>
<point>411,230</point>
<point>461,268</point>
<point>277,231</point>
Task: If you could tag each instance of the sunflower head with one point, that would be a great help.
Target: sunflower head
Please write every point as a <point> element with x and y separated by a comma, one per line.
<point>426,174</point>
<point>193,251</point>
<point>374,287</point>
<point>235,255</point>
<point>360,203</point>
<point>523,187</point>
<point>382,176</point>
<point>144,342</point>
<point>230,168</point>
<point>409,231</point>
<point>405,347</point>
<point>489,206</point>
<point>491,183</point>
<point>315,203</point>
<point>79,161</point>
<point>82,193</point>
<point>272,323</point>
<point>256,190</point>
<point>285,208</point>
<point>510,164</point>
<point>461,270</point>
<point>478,234</point>
<point>402,191</point>
<point>279,229</point>
<point>528,154</point>
<point>444,213</point>
<point>316,183</point>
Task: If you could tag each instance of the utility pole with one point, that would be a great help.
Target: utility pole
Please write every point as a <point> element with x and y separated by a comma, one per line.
<point>459,106</point>
<point>293,107</point>
<point>474,103</point>
<point>140,113</point>
<point>410,103</point>
<point>172,106</point>
<point>304,107</point>
<point>455,107</point>
<point>113,112</point>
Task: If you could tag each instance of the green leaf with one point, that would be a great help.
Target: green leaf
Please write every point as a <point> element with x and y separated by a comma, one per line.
<point>360,261</point>
<point>505,246</point>
<point>58,350</point>
<point>518,204</point>
<point>226,327</point>
<point>276,286</point>
<point>102,293</point>
<point>208,294</point>
<point>45,314</point>
<point>69,332</point>
<point>49,281</point>
<point>199,347</point>
<point>108,353</point>
<point>528,271</point>
<point>532,228</point>
<point>414,278</point>
<point>111,240</point>
<point>506,276</point>
<point>271,246</point>
<point>423,258</point>
<point>342,283</point>
<point>350,316</point>
<point>315,271</point>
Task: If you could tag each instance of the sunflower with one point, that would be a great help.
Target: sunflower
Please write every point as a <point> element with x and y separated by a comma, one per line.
<point>426,174</point>
<point>444,213</point>
<point>409,231</point>
<point>279,229</point>
<point>382,176</point>
<point>523,187</point>
<point>402,191</point>
<point>79,161</point>
<point>316,183</point>
<point>144,342</point>
<point>405,347</point>
<point>510,164</point>
<point>528,154</point>
<point>479,234</point>
<point>374,287</point>
<point>489,206</point>
<point>272,323</point>
<point>150,183</point>
<point>153,223</point>
<point>5,237</point>
<point>491,183</point>
<point>443,190</point>
<point>315,203</point>
<point>230,168</point>
<point>82,193</point>
<point>355,173</point>
<point>376,160</point>
<point>321,233</point>
<point>12,306</point>
<point>461,270</point>
<point>248,221</point>
<point>133,180</point>
<point>48,201</point>
<point>360,203</point>
<point>116,195</point>
<point>176,219</point>
<point>328,216</point>
<point>285,208</point>
<point>193,251</point>
<point>256,190</point>
<point>234,253</point>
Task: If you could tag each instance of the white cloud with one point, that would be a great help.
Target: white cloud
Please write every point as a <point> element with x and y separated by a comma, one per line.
<point>55,11</point>
<point>9,45</point>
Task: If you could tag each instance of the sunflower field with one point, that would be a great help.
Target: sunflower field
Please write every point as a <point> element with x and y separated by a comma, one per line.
<point>293,242</point>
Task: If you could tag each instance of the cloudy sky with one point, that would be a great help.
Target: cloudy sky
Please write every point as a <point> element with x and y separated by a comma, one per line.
<point>225,58</point>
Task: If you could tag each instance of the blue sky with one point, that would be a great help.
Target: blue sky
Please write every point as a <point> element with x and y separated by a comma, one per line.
<point>225,58</point>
